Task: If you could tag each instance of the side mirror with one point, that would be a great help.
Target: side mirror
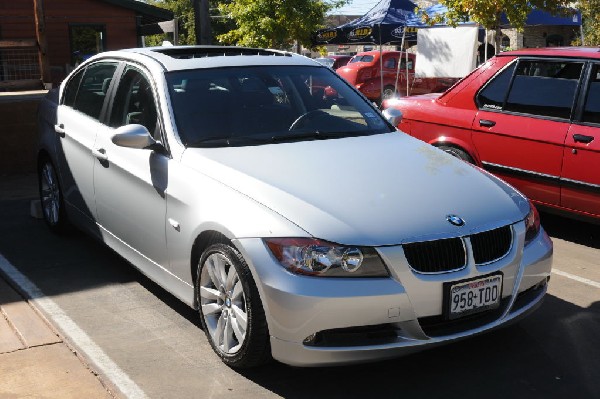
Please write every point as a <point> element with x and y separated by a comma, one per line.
<point>133,136</point>
<point>393,115</point>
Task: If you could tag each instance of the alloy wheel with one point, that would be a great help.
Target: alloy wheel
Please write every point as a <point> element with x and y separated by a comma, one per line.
<point>223,303</point>
<point>50,194</point>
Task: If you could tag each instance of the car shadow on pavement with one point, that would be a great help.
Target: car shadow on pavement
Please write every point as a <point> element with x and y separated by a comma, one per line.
<point>576,231</point>
<point>552,354</point>
<point>544,356</point>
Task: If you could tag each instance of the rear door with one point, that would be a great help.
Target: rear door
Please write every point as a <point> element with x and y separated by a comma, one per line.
<point>78,121</point>
<point>523,119</point>
<point>581,165</point>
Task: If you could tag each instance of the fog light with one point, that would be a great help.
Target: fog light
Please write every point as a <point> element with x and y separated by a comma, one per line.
<point>310,339</point>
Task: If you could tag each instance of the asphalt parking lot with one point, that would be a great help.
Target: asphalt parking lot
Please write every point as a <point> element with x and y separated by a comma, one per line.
<point>155,347</point>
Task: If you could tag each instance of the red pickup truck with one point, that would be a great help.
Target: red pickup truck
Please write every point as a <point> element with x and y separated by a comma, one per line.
<point>364,72</point>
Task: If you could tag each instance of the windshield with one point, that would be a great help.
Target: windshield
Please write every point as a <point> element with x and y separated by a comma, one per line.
<point>269,104</point>
<point>362,58</point>
<point>328,62</point>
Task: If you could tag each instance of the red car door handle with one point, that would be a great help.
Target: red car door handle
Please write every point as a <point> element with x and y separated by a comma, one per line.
<point>486,123</point>
<point>582,138</point>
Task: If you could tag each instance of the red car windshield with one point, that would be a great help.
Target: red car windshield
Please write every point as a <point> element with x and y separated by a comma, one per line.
<point>362,58</point>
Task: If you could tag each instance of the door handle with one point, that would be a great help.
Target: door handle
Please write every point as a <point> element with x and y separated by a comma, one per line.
<point>487,123</point>
<point>582,138</point>
<point>100,153</point>
<point>60,130</point>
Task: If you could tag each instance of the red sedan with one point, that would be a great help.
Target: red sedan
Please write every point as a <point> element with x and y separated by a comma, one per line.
<point>529,116</point>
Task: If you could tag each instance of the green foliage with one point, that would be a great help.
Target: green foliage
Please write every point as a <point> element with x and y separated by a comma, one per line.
<point>590,12</point>
<point>183,10</point>
<point>260,23</point>
<point>274,23</point>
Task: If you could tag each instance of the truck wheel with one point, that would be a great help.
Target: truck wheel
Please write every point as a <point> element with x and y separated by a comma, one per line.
<point>388,92</point>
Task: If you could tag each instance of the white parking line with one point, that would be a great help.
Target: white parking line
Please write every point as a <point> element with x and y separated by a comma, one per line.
<point>576,278</point>
<point>76,335</point>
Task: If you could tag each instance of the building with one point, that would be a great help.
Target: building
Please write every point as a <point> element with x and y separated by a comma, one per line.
<point>42,40</point>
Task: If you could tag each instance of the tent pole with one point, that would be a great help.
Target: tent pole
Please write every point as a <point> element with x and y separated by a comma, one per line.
<point>399,61</point>
<point>485,45</point>
<point>406,69</point>
<point>380,65</point>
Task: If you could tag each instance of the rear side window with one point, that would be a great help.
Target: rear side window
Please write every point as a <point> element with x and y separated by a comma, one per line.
<point>494,93</point>
<point>93,87</point>
<point>591,110</point>
<point>532,87</point>
<point>71,89</point>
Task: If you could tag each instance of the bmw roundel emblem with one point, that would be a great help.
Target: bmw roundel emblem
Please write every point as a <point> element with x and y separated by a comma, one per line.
<point>455,220</point>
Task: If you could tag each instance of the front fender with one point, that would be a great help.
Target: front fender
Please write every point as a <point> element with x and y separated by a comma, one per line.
<point>197,203</point>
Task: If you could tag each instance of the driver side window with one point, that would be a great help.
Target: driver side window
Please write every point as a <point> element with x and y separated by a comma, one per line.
<point>135,103</point>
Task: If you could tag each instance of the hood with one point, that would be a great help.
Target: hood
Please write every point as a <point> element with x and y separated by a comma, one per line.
<point>393,102</point>
<point>376,190</point>
<point>348,73</point>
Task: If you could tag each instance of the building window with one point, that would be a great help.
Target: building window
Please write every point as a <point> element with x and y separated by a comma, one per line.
<point>505,43</point>
<point>554,41</point>
<point>86,41</point>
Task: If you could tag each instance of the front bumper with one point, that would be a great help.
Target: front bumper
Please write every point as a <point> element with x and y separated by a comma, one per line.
<point>329,321</point>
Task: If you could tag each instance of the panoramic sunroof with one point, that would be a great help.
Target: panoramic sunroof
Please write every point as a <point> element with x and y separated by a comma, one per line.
<point>203,52</point>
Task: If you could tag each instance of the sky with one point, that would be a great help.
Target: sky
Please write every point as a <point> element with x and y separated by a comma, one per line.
<point>356,7</point>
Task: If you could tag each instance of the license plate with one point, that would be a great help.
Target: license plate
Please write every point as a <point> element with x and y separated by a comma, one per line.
<point>473,296</point>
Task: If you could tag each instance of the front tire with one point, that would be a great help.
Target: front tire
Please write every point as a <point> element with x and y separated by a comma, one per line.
<point>51,198</point>
<point>388,92</point>
<point>457,152</point>
<point>230,309</point>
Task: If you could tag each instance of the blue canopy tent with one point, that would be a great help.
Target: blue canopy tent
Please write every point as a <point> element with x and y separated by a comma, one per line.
<point>539,17</point>
<point>384,23</point>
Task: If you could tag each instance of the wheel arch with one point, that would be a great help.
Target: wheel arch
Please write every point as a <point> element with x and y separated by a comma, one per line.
<point>205,239</point>
<point>459,144</point>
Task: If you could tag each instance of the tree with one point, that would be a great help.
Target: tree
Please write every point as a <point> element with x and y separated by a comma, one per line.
<point>274,23</point>
<point>488,12</point>
<point>184,11</point>
<point>590,13</point>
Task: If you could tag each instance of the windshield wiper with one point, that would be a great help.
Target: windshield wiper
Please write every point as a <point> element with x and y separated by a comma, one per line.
<point>316,135</point>
<point>220,141</point>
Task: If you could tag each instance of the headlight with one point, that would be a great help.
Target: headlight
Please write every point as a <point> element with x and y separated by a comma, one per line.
<point>321,258</point>
<point>532,224</point>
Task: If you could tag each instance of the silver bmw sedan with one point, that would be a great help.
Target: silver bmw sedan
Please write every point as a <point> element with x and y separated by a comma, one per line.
<point>264,191</point>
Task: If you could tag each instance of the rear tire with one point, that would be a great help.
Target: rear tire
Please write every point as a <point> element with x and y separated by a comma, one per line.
<point>230,308</point>
<point>51,198</point>
<point>457,152</point>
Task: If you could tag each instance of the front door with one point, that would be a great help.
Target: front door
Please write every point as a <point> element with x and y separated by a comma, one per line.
<point>130,183</point>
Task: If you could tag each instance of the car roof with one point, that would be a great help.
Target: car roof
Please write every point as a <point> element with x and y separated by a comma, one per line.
<point>577,52</point>
<point>175,58</point>
<point>376,52</point>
